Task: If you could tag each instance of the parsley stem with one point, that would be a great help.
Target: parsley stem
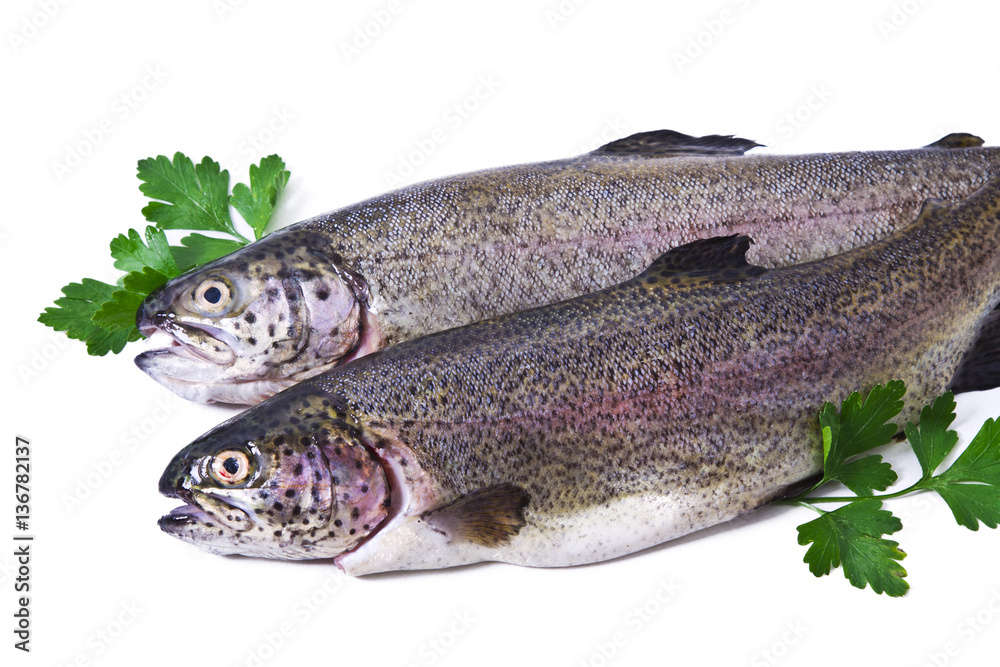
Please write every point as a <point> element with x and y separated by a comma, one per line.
<point>919,486</point>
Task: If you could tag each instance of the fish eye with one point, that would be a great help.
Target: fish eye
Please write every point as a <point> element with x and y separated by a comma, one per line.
<point>212,295</point>
<point>230,467</point>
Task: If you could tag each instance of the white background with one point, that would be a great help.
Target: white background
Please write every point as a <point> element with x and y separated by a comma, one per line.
<point>90,88</point>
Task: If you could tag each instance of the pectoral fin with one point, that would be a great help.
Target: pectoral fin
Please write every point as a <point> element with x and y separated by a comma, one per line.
<point>665,143</point>
<point>488,517</point>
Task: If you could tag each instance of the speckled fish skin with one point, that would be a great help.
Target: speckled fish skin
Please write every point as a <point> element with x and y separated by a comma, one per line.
<point>609,423</point>
<point>460,249</point>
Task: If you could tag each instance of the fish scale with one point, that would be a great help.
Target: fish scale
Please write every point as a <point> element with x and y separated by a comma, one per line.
<point>459,249</point>
<point>608,423</point>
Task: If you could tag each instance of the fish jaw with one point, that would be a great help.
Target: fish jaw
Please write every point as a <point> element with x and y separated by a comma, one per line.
<point>292,481</point>
<point>243,327</point>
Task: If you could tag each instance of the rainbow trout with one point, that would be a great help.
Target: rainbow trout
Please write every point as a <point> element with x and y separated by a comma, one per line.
<point>456,250</point>
<point>597,426</point>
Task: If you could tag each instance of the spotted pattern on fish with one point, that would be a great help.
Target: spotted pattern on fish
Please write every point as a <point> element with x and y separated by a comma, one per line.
<point>456,250</point>
<point>608,423</point>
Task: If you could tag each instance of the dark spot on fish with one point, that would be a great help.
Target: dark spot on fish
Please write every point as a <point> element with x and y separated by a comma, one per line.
<point>221,532</point>
<point>298,469</point>
<point>357,464</point>
<point>322,295</point>
<point>317,476</point>
<point>250,318</point>
<point>252,340</point>
<point>277,533</point>
<point>338,523</point>
<point>352,531</point>
<point>290,493</point>
<point>305,521</point>
<point>365,526</point>
<point>332,534</point>
<point>305,441</point>
<point>297,511</point>
<point>310,455</point>
<point>355,513</point>
<point>279,507</point>
<point>270,330</point>
<point>287,452</point>
<point>364,488</point>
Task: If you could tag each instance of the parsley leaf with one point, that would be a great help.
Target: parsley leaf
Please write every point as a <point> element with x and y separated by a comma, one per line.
<point>187,196</point>
<point>971,486</point>
<point>190,197</point>
<point>931,440</point>
<point>860,425</point>
<point>132,254</point>
<point>73,314</point>
<point>256,203</point>
<point>853,536</point>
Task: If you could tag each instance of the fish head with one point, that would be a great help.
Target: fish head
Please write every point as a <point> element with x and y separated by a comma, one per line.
<point>290,478</point>
<point>243,327</point>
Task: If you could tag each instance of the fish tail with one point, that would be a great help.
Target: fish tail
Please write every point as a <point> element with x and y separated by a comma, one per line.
<point>979,369</point>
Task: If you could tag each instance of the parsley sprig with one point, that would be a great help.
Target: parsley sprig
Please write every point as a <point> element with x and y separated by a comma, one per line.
<point>853,535</point>
<point>185,196</point>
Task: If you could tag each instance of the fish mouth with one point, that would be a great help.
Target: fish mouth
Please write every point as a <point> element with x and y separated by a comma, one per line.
<point>200,343</point>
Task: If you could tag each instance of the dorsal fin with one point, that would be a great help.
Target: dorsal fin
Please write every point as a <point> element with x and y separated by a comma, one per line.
<point>957,140</point>
<point>718,259</point>
<point>664,143</point>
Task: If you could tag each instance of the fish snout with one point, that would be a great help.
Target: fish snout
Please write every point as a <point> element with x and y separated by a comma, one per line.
<point>153,315</point>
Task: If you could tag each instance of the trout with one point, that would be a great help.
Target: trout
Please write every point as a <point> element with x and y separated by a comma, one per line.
<point>598,426</point>
<point>456,250</point>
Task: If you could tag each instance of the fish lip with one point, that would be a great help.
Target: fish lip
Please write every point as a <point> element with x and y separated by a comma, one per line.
<point>182,516</point>
<point>181,339</point>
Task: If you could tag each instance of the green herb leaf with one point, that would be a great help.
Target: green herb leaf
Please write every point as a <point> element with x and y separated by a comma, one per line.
<point>860,425</point>
<point>118,312</point>
<point>256,203</point>
<point>865,475</point>
<point>971,486</point>
<point>198,249</point>
<point>132,254</point>
<point>190,197</point>
<point>972,503</point>
<point>73,314</point>
<point>931,440</point>
<point>852,536</point>
<point>980,462</point>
